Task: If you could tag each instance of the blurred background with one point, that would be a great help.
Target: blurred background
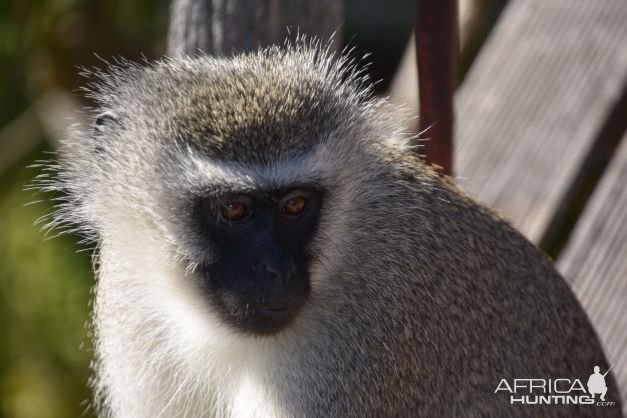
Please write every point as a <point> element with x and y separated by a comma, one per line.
<point>556,67</point>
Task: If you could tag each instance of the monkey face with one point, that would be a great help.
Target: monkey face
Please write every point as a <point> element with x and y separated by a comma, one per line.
<point>259,279</point>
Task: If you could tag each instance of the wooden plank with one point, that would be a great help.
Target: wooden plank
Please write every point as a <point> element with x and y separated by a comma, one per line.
<point>222,27</point>
<point>534,101</point>
<point>595,263</point>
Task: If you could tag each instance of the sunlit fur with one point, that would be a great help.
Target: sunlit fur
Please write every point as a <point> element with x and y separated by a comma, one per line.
<point>421,300</point>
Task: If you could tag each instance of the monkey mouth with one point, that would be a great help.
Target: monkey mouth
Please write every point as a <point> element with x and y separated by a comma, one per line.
<point>262,308</point>
<point>267,319</point>
<point>275,309</point>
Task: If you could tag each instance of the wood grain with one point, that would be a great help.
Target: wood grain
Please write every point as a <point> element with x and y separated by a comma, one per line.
<point>595,263</point>
<point>529,111</point>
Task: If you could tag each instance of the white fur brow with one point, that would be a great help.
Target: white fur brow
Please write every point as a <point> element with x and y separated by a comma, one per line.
<point>300,170</point>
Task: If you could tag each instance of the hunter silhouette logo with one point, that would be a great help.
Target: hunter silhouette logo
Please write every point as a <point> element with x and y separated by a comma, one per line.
<point>596,382</point>
<point>560,391</point>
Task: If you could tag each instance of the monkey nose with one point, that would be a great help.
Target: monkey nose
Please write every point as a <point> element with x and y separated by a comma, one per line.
<point>275,273</point>
<point>271,269</point>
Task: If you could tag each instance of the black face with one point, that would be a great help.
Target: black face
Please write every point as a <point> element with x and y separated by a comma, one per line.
<point>260,278</point>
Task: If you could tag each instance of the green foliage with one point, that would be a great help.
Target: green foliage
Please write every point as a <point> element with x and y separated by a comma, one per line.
<point>44,290</point>
<point>43,42</point>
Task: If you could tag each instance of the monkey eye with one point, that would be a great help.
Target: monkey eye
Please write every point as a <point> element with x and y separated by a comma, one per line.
<point>293,204</point>
<point>235,209</point>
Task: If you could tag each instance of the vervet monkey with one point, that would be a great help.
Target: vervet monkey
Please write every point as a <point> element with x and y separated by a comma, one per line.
<point>268,245</point>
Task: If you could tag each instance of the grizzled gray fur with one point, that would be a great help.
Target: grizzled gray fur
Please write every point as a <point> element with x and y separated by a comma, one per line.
<point>420,300</point>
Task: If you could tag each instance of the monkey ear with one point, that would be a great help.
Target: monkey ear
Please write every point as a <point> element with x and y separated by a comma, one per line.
<point>106,121</point>
<point>104,124</point>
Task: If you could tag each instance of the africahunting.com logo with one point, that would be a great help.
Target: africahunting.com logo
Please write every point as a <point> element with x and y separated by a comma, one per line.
<point>562,391</point>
